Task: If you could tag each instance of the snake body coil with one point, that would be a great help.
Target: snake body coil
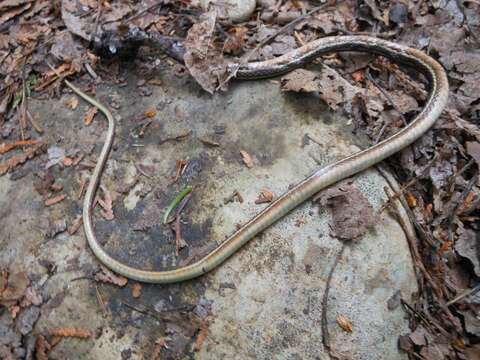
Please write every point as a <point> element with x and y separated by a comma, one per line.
<point>324,177</point>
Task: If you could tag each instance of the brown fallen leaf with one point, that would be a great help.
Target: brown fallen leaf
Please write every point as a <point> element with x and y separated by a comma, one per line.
<point>235,40</point>
<point>136,290</point>
<point>150,113</point>
<point>411,200</point>
<point>352,213</point>
<point>344,323</point>
<point>265,196</point>
<point>42,348</point>
<point>31,297</point>
<point>473,149</point>
<point>13,12</point>
<point>64,70</point>
<point>91,112</point>
<point>70,332</point>
<point>202,335</point>
<point>55,200</point>
<point>180,165</point>
<point>300,80</point>
<point>247,159</point>
<point>202,58</point>
<point>13,288</point>
<point>17,160</point>
<point>67,161</point>
<point>109,277</point>
<point>106,204</point>
<point>328,83</point>
<point>159,344</point>
<point>72,229</point>
<point>72,103</point>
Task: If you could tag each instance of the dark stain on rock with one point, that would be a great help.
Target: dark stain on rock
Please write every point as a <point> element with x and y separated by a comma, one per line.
<point>309,107</point>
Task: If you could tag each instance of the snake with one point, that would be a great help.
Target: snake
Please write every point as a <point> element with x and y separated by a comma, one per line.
<point>326,176</point>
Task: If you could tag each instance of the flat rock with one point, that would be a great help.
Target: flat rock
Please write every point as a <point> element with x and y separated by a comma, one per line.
<point>234,10</point>
<point>267,298</point>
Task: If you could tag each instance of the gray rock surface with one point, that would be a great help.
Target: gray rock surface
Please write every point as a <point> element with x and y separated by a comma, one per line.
<point>262,303</point>
<point>234,10</point>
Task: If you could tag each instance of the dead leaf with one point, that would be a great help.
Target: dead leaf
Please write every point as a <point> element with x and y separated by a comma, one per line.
<point>204,61</point>
<point>300,80</point>
<point>202,335</point>
<point>31,297</point>
<point>70,332</point>
<point>91,112</point>
<point>473,149</point>
<point>55,156</point>
<point>411,200</point>
<point>473,353</point>
<point>72,103</point>
<point>467,245</point>
<point>265,196</point>
<point>330,85</point>
<point>64,70</point>
<point>109,277</point>
<point>136,290</point>
<point>42,348</point>
<point>55,200</point>
<point>107,204</point>
<point>150,113</point>
<point>344,323</point>
<point>15,161</point>
<point>405,344</point>
<point>235,40</point>
<point>75,226</point>
<point>15,288</point>
<point>159,344</point>
<point>247,159</point>
<point>418,337</point>
<point>352,213</point>
<point>13,12</point>
<point>67,48</point>
<point>54,228</point>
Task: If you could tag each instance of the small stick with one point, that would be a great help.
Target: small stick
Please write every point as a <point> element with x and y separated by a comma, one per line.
<point>34,123</point>
<point>325,333</point>
<point>463,295</point>
<point>140,13</point>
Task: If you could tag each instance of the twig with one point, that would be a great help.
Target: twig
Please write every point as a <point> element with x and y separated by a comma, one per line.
<point>399,192</point>
<point>34,123</point>
<point>325,333</point>
<point>90,71</point>
<point>463,295</point>
<point>100,300</point>
<point>267,40</point>
<point>141,12</point>
<point>23,112</point>
<point>178,230</point>
<point>427,322</point>
<point>451,182</point>
<point>97,20</point>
